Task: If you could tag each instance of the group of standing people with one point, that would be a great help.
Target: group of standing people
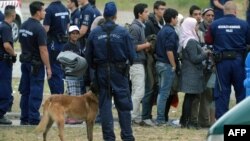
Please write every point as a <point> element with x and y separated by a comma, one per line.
<point>158,54</point>
<point>40,46</point>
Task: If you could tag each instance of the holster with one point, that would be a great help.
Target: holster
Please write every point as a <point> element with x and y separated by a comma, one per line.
<point>217,57</point>
<point>35,66</point>
<point>6,57</point>
<point>25,58</point>
<point>229,55</point>
<point>122,68</point>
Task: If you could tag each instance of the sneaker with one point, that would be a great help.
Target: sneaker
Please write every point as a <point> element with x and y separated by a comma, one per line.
<point>160,123</point>
<point>193,126</point>
<point>136,122</point>
<point>174,123</point>
<point>148,122</point>
<point>5,121</point>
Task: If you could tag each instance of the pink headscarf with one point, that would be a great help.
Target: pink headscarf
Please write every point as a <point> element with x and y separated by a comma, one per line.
<point>187,31</point>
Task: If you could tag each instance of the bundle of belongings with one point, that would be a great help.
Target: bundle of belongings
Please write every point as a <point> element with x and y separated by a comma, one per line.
<point>73,64</point>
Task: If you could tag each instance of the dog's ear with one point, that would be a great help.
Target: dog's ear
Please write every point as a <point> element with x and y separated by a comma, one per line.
<point>94,88</point>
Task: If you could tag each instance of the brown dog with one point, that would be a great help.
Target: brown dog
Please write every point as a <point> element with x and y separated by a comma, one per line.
<point>57,107</point>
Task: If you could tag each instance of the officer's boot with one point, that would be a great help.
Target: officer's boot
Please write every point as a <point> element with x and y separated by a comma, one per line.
<point>5,121</point>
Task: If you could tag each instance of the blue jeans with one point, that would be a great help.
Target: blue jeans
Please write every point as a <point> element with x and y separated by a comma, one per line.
<point>166,77</point>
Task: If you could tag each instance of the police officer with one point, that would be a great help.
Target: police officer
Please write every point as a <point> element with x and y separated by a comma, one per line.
<point>34,55</point>
<point>110,51</point>
<point>7,57</point>
<point>229,36</point>
<point>87,17</point>
<point>218,6</point>
<point>1,17</point>
<point>247,4</point>
<point>97,12</point>
<point>75,12</point>
<point>56,22</point>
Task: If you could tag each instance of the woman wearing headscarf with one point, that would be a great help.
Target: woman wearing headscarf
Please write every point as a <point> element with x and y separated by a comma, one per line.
<point>192,78</point>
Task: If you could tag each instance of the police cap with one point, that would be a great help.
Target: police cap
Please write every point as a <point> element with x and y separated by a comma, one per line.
<point>110,9</point>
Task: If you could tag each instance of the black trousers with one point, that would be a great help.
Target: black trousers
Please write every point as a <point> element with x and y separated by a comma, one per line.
<point>187,109</point>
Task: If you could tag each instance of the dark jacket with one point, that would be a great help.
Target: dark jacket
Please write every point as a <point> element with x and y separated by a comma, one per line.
<point>192,78</point>
<point>152,26</point>
<point>121,46</point>
<point>137,32</point>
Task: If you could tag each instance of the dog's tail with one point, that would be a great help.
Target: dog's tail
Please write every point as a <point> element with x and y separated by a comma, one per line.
<point>45,119</point>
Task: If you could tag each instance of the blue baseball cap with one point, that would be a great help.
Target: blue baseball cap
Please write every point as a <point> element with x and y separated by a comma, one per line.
<point>110,9</point>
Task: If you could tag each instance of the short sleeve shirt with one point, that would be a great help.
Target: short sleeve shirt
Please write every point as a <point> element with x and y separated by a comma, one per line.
<point>87,16</point>
<point>167,40</point>
<point>75,17</point>
<point>32,35</point>
<point>5,35</point>
<point>57,17</point>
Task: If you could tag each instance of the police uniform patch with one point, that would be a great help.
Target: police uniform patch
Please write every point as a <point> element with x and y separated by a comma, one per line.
<point>76,20</point>
<point>86,18</point>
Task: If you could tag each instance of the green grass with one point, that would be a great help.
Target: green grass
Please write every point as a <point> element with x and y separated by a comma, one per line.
<point>129,4</point>
<point>79,133</point>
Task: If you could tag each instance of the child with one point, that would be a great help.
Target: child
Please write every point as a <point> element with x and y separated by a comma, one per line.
<point>75,84</point>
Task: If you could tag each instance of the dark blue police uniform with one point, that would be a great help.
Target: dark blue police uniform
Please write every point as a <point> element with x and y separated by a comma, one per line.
<point>218,13</point>
<point>1,17</point>
<point>230,38</point>
<point>57,17</point>
<point>31,36</point>
<point>96,11</point>
<point>75,17</point>
<point>87,16</point>
<point>121,50</point>
<point>5,69</point>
